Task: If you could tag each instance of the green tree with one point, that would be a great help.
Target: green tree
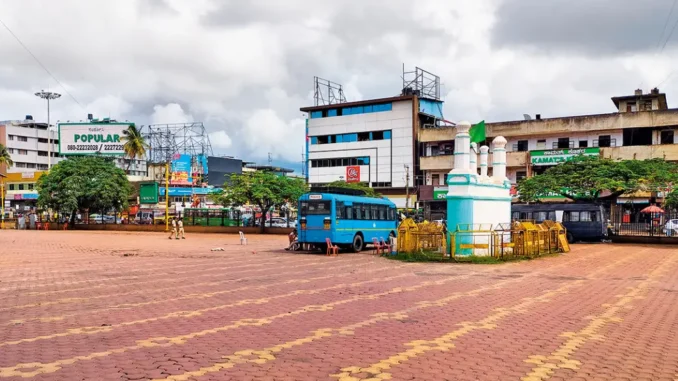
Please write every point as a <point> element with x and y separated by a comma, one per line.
<point>4,157</point>
<point>84,183</point>
<point>593,178</point>
<point>370,192</point>
<point>135,145</point>
<point>263,189</point>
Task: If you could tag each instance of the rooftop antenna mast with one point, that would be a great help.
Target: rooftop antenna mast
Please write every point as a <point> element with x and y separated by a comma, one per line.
<point>326,92</point>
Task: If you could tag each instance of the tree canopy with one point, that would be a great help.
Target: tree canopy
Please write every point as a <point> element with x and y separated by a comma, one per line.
<point>84,183</point>
<point>369,192</point>
<point>135,145</point>
<point>593,178</point>
<point>260,188</point>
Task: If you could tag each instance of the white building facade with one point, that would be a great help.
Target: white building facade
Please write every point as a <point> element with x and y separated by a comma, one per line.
<point>27,144</point>
<point>372,142</point>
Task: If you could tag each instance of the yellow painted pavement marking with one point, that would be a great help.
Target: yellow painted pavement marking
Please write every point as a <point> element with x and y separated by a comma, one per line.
<point>117,307</point>
<point>561,358</point>
<point>261,356</point>
<point>193,313</point>
<point>138,291</point>
<point>28,370</point>
<point>378,370</point>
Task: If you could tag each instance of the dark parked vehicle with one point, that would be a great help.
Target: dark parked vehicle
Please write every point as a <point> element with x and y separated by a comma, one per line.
<point>585,222</point>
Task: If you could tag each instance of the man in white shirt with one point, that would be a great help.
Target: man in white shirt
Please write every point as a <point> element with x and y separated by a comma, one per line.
<point>174,229</point>
<point>180,231</point>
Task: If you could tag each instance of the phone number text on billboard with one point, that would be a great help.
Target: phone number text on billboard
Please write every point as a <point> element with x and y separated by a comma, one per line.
<point>92,138</point>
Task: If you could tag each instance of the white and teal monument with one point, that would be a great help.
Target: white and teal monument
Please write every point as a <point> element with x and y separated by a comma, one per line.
<point>473,199</point>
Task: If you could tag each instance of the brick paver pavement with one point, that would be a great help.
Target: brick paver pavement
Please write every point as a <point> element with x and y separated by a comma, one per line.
<point>116,306</point>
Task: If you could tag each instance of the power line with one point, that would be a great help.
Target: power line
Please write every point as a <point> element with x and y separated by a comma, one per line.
<point>675,24</point>
<point>666,24</point>
<point>40,63</point>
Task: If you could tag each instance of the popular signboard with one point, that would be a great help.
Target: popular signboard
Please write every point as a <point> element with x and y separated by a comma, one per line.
<point>353,174</point>
<point>91,138</point>
<point>557,156</point>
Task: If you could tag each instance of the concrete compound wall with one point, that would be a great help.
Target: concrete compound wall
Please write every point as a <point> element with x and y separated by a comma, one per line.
<point>161,228</point>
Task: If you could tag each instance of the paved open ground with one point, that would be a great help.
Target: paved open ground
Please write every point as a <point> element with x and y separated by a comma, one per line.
<point>106,306</point>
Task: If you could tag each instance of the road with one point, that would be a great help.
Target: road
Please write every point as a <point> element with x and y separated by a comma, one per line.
<point>122,306</point>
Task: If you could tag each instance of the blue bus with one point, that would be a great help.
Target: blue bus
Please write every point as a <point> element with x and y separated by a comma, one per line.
<point>348,220</point>
<point>583,221</point>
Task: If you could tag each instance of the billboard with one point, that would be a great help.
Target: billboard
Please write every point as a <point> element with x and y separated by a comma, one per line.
<point>91,138</point>
<point>187,171</point>
<point>353,174</point>
<point>148,193</point>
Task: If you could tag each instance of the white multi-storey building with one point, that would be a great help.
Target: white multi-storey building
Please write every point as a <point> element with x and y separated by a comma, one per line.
<point>372,142</point>
<point>27,144</point>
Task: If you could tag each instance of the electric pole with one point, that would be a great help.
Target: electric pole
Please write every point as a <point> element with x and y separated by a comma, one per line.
<point>48,95</point>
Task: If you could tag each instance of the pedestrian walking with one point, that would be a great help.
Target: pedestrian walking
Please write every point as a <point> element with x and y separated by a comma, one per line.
<point>174,228</point>
<point>180,225</point>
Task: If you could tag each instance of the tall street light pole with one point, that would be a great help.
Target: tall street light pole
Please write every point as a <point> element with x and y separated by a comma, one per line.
<point>48,95</point>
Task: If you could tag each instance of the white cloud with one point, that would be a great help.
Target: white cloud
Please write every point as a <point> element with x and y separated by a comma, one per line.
<point>220,140</point>
<point>265,132</point>
<point>170,113</point>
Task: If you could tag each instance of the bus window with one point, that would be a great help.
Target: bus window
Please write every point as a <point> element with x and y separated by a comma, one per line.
<point>349,212</point>
<point>585,216</point>
<point>382,212</point>
<point>392,214</point>
<point>540,216</point>
<point>571,217</point>
<point>315,208</point>
<point>365,211</point>
<point>340,210</point>
<point>552,215</point>
<point>357,212</point>
<point>515,216</point>
<point>375,212</point>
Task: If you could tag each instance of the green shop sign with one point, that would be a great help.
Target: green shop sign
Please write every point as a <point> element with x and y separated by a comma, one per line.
<point>148,193</point>
<point>557,156</point>
<point>439,194</point>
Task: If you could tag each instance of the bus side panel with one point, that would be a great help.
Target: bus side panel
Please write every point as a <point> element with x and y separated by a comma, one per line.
<point>368,228</point>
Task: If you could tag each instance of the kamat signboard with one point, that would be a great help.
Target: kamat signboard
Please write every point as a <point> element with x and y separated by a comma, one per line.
<point>557,156</point>
<point>91,138</point>
<point>353,174</point>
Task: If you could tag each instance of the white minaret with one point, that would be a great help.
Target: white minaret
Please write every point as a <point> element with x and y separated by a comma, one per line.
<point>499,159</point>
<point>483,160</point>
<point>473,160</point>
<point>462,148</point>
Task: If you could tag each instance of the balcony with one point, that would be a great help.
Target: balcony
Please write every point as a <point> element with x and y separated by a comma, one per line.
<point>660,151</point>
<point>440,162</point>
<point>428,135</point>
<point>446,162</point>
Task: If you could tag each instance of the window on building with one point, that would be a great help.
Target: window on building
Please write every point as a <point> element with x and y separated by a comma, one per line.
<point>12,187</point>
<point>363,136</point>
<point>378,135</point>
<point>42,140</point>
<point>10,150</point>
<point>42,153</point>
<point>583,143</point>
<point>55,141</point>
<point>386,184</point>
<point>563,143</point>
<point>604,141</point>
<point>435,179</point>
<point>22,152</point>
<point>520,175</point>
<point>521,146</point>
<point>631,107</point>
<point>22,138</point>
<point>666,137</point>
<point>30,186</point>
<point>646,105</point>
<point>435,150</point>
<point>42,166</point>
<point>20,165</point>
<point>322,139</point>
<point>21,186</point>
<point>541,144</point>
<point>30,165</point>
<point>10,137</point>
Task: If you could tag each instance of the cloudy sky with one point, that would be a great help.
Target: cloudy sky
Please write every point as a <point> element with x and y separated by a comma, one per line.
<point>245,68</point>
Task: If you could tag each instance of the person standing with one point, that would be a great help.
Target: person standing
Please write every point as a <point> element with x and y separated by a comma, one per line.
<point>180,225</point>
<point>174,229</point>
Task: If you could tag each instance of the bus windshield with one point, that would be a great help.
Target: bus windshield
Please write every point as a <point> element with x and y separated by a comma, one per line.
<point>315,207</point>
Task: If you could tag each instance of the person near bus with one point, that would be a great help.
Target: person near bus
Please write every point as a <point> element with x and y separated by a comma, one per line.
<point>180,226</point>
<point>174,229</point>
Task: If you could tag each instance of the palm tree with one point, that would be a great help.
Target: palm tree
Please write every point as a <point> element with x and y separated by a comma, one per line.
<point>4,157</point>
<point>135,144</point>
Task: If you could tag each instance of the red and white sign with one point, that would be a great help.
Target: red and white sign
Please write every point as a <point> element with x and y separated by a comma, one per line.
<point>353,174</point>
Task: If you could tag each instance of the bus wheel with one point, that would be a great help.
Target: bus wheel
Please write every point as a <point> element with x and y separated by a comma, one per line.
<point>357,243</point>
<point>570,238</point>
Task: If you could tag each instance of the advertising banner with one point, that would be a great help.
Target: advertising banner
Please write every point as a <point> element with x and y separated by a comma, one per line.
<point>91,138</point>
<point>557,156</point>
<point>353,174</point>
<point>186,171</point>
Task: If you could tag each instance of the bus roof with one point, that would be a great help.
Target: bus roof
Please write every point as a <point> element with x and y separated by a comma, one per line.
<point>346,198</point>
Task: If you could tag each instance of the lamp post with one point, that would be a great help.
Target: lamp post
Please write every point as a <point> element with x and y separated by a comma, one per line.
<point>48,95</point>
